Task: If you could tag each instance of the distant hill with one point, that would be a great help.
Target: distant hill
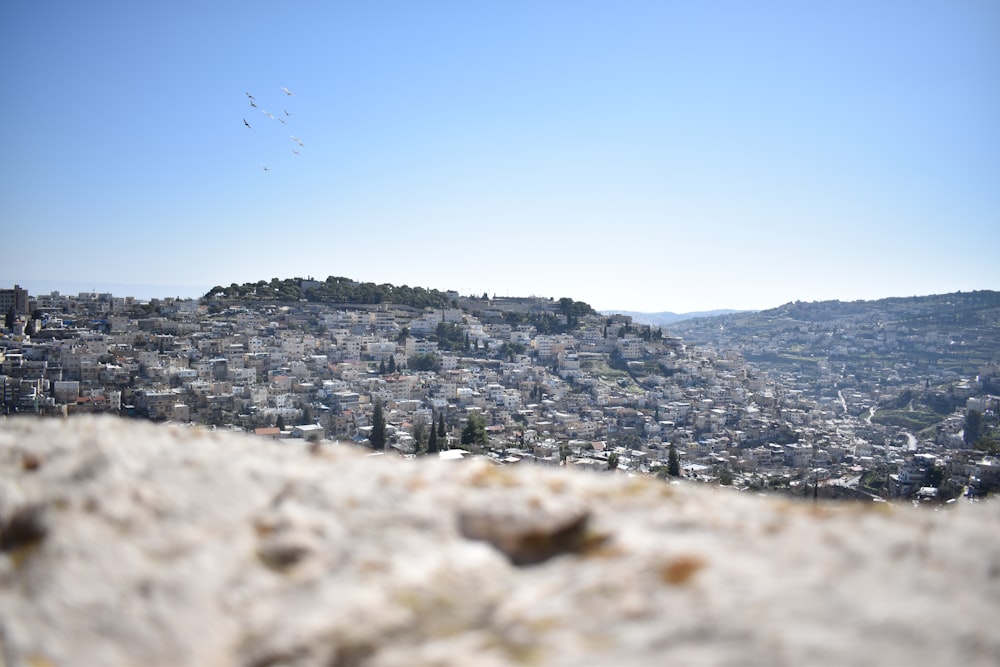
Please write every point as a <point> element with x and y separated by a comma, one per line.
<point>971,309</point>
<point>546,315</point>
<point>665,318</point>
<point>895,341</point>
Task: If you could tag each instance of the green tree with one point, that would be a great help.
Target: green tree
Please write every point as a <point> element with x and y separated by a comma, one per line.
<point>442,433</point>
<point>280,423</point>
<point>451,336</point>
<point>935,476</point>
<point>725,477</point>
<point>988,444</point>
<point>432,439</point>
<point>474,432</point>
<point>392,363</point>
<point>673,462</point>
<point>973,427</point>
<point>424,362</point>
<point>613,461</point>
<point>419,435</point>
<point>377,438</point>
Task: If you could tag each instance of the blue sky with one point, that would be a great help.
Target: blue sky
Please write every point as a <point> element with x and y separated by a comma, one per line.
<point>646,156</point>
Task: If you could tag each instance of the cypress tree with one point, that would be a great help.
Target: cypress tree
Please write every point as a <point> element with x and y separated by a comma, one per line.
<point>432,440</point>
<point>377,438</point>
<point>673,462</point>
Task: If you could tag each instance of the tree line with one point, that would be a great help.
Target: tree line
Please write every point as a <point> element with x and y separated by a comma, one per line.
<point>332,290</point>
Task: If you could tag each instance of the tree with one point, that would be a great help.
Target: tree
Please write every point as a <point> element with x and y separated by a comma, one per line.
<point>673,462</point>
<point>973,426</point>
<point>392,363</point>
<point>377,437</point>
<point>935,475</point>
<point>613,461</point>
<point>726,477</point>
<point>280,423</point>
<point>432,439</point>
<point>8,320</point>
<point>381,367</point>
<point>419,435</point>
<point>474,432</point>
<point>442,434</point>
<point>424,362</point>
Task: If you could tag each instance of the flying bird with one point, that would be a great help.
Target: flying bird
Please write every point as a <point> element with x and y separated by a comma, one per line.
<point>252,104</point>
<point>266,114</point>
<point>250,96</point>
<point>282,121</point>
<point>296,152</point>
<point>286,113</point>
<point>264,167</point>
<point>246,123</point>
<point>287,92</point>
<point>297,140</point>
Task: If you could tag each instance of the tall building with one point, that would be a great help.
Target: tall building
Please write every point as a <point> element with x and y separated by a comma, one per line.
<point>16,298</point>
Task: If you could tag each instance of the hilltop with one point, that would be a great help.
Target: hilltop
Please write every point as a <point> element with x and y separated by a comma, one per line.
<point>337,290</point>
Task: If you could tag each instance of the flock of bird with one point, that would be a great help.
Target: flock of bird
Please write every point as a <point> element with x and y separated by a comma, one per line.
<point>280,119</point>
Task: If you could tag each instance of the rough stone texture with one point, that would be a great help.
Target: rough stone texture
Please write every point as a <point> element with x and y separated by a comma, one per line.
<point>127,543</point>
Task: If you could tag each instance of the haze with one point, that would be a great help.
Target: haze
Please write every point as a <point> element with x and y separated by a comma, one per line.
<point>645,156</point>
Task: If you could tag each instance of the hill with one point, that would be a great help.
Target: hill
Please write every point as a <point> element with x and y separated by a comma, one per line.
<point>884,345</point>
<point>666,318</point>
<point>339,291</point>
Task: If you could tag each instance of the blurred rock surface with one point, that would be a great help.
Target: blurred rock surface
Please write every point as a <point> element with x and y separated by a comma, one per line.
<point>129,543</point>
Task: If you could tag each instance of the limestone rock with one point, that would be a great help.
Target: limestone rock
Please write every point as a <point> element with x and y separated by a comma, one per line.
<point>528,529</point>
<point>128,543</point>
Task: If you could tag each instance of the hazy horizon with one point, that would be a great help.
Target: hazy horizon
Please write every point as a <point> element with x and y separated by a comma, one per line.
<point>647,156</point>
<point>145,292</point>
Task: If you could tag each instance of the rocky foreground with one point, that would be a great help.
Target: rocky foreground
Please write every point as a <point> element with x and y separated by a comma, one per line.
<point>127,543</point>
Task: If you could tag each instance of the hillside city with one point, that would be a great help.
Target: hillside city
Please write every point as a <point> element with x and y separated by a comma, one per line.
<point>863,401</point>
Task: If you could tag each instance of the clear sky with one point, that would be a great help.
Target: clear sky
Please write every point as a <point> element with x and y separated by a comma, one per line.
<point>652,156</point>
